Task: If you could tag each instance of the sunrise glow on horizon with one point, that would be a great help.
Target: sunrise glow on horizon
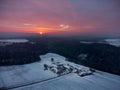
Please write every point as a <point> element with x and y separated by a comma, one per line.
<point>60,16</point>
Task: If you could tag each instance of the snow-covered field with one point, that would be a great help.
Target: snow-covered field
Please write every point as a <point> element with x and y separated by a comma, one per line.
<point>5,42</point>
<point>14,40</point>
<point>114,42</point>
<point>13,76</point>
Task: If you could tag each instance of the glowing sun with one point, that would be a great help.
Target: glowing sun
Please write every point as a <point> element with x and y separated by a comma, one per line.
<point>41,33</point>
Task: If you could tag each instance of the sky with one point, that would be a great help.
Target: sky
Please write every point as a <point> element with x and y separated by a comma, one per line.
<point>60,16</point>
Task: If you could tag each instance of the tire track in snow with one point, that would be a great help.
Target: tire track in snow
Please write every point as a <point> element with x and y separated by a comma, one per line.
<point>36,82</point>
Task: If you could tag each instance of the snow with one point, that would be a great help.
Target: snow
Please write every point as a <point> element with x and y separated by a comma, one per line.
<point>14,40</point>
<point>6,42</point>
<point>17,75</point>
<point>82,56</point>
<point>74,82</point>
<point>11,76</point>
<point>114,42</point>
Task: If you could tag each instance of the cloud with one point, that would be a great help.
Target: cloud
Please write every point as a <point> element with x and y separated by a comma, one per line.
<point>64,27</point>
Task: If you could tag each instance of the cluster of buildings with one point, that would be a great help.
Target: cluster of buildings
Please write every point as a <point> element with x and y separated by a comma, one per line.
<point>61,69</point>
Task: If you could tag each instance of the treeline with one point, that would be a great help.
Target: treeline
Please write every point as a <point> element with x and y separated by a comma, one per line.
<point>17,54</point>
<point>99,56</point>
